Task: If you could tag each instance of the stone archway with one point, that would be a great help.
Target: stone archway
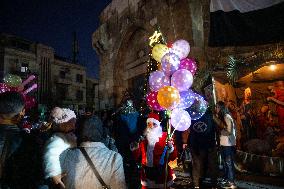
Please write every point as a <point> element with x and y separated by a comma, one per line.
<point>131,62</point>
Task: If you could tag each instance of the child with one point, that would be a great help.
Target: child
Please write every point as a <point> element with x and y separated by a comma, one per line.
<point>63,126</point>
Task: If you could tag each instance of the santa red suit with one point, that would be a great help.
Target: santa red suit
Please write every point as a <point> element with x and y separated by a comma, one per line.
<point>150,153</point>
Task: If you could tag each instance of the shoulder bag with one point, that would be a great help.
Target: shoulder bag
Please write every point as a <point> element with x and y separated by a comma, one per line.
<point>94,168</point>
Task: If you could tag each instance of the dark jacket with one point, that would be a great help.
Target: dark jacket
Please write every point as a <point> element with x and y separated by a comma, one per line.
<point>203,132</point>
<point>20,159</point>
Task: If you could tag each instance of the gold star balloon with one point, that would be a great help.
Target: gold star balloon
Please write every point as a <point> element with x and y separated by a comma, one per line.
<point>155,38</point>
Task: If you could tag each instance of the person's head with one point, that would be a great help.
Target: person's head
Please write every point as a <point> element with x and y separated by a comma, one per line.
<point>91,130</point>
<point>279,84</point>
<point>221,109</point>
<point>64,119</point>
<point>153,121</point>
<point>264,109</point>
<point>153,130</point>
<point>88,111</point>
<point>248,93</point>
<point>11,105</point>
<point>232,105</point>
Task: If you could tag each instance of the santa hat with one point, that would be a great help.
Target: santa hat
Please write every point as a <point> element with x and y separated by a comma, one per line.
<point>153,117</point>
<point>62,115</point>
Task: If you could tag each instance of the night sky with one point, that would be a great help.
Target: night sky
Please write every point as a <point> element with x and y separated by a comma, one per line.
<point>52,22</point>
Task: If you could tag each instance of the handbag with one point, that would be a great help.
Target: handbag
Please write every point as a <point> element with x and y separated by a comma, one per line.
<point>93,168</point>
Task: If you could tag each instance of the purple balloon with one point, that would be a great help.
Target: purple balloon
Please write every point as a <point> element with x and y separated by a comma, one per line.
<point>180,119</point>
<point>182,80</point>
<point>188,64</point>
<point>181,48</point>
<point>186,99</point>
<point>157,80</point>
<point>198,108</point>
<point>170,63</point>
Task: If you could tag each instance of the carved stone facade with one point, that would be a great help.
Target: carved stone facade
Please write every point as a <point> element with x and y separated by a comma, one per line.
<point>122,42</point>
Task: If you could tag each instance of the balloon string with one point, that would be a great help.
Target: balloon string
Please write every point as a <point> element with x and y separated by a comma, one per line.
<point>171,135</point>
<point>173,22</point>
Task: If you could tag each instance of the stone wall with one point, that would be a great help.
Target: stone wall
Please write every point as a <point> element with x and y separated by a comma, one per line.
<point>122,38</point>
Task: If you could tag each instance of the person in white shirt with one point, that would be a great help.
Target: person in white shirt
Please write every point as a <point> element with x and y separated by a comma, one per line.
<point>227,143</point>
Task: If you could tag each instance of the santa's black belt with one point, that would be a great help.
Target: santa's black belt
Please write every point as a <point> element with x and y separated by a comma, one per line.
<point>153,173</point>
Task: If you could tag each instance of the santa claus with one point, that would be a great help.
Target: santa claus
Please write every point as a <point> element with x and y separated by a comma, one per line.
<point>151,152</point>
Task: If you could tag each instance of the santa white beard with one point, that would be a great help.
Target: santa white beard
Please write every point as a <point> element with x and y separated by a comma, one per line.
<point>153,135</point>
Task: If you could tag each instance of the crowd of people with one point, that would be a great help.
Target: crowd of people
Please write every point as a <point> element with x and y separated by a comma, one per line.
<point>51,155</point>
<point>115,149</point>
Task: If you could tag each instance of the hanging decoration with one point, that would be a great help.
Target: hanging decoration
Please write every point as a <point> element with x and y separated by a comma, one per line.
<point>232,69</point>
<point>237,65</point>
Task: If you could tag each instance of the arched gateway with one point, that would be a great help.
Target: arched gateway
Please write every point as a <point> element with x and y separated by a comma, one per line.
<point>131,63</point>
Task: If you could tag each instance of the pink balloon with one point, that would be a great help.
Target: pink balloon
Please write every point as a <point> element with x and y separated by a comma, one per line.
<point>188,64</point>
<point>180,119</point>
<point>153,102</point>
<point>4,88</point>
<point>158,80</point>
<point>30,78</point>
<point>30,102</point>
<point>182,80</point>
<point>34,86</point>
<point>181,48</point>
<point>170,63</point>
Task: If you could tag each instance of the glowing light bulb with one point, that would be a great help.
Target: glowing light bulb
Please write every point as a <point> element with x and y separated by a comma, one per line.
<point>272,67</point>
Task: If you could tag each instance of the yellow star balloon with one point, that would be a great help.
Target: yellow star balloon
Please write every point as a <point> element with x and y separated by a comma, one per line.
<point>154,38</point>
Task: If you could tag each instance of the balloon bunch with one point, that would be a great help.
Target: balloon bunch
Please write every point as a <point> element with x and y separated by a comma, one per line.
<point>14,83</point>
<point>170,86</point>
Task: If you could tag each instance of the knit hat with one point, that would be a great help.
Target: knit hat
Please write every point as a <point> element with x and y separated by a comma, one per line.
<point>153,117</point>
<point>62,115</point>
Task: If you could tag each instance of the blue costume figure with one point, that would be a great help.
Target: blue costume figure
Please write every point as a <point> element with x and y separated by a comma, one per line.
<point>125,126</point>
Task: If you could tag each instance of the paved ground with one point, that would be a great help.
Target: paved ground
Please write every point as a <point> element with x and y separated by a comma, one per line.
<point>183,180</point>
<point>244,181</point>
